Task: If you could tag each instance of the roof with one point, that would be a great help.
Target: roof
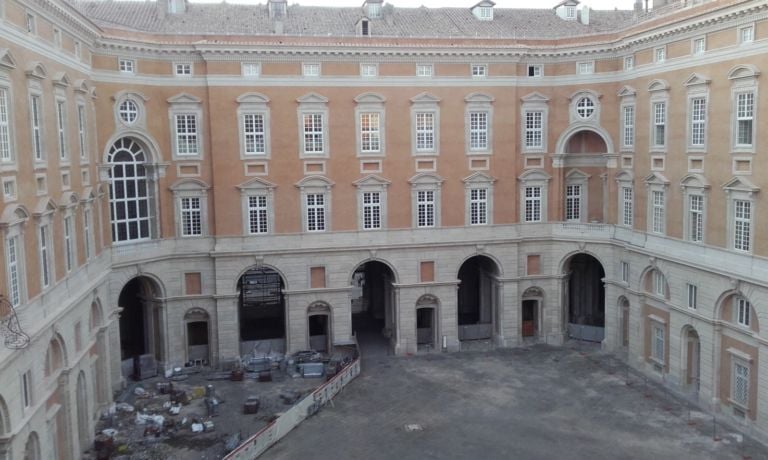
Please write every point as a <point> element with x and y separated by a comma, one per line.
<point>236,19</point>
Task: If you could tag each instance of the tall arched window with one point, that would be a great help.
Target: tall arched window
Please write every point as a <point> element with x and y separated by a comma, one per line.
<point>129,198</point>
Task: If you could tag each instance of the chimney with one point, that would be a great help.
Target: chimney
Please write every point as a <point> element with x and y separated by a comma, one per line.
<point>584,19</point>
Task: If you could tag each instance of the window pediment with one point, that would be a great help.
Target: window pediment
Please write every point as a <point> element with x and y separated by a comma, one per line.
<point>535,97</point>
<point>256,184</point>
<point>740,184</point>
<point>696,79</point>
<point>36,69</point>
<point>743,71</point>
<point>184,98</point>
<point>478,178</point>
<point>13,215</point>
<point>371,180</point>
<point>577,175</point>
<point>312,98</point>
<point>425,98</point>
<point>658,85</point>
<point>68,200</point>
<point>81,86</point>
<point>656,178</point>
<point>61,79</point>
<point>6,59</point>
<point>694,181</point>
<point>253,98</point>
<point>627,91</point>
<point>426,178</point>
<point>315,182</point>
<point>88,195</point>
<point>183,185</point>
<point>624,176</point>
<point>534,175</point>
<point>585,92</point>
<point>44,207</point>
<point>370,98</point>
<point>125,93</point>
<point>478,97</point>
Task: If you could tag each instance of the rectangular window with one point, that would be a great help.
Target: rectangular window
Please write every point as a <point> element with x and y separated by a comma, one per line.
<point>78,50</point>
<point>191,217</point>
<point>5,127</point>
<point>423,70</point>
<point>250,69</point>
<point>658,344</point>
<point>127,65</point>
<point>658,283</point>
<point>36,120</point>
<point>696,218</point>
<point>629,126</point>
<point>81,130</point>
<point>693,293</point>
<point>61,120</point>
<point>658,211</point>
<point>534,129</point>
<point>369,70</point>
<point>625,272</point>
<point>313,133</point>
<point>699,46</point>
<point>478,206</point>
<point>745,115</point>
<point>257,215</point>
<point>26,389</point>
<point>87,232</point>
<point>9,189</point>
<point>585,68</point>
<point>742,225</point>
<point>629,62</point>
<point>742,311</point>
<point>372,210</point>
<point>254,138</point>
<point>311,70</point>
<point>746,34</point>
<point>370,132</point>
<point>183,69</point>
<point>659,124</point>
<point>535,71</point>
<point>374,10</point>
<point>573,202</point>
<point>186,134</point>
<point>740,384</point>
<point>45,256</point>
<point>315,212</point>
<point>570,12</point>
<point>660,54</point>
<point>479,70</point>
<point>425,201</point>
<point>425,132</point>
<point>533,204</point>
<point>486,13</point>
<point>698,121</point>
<point>31,27</point>
<point>14,270</point>
<point>69,250</point>
<point>478,131</point>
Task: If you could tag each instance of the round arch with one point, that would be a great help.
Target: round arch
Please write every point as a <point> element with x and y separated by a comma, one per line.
<point>566,135</point>
<point>478,298</point>
<point>584,288</point>
<point>32,447</point>
<point>56,355</point>
<point>256,267</point>
<point>690,357</point>
<point>146,142</point>
<point>388,264</point>
<point>151,281</point>
<point>496,262</point>
<point>96,315</point>
<point>567,259</point>
<point>646,280</point>
<point>724,301</point>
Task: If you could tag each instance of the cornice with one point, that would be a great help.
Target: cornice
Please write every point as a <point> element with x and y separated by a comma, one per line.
<point>69,16</point>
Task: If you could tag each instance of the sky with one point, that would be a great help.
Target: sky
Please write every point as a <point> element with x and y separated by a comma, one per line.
<point>595,4</point>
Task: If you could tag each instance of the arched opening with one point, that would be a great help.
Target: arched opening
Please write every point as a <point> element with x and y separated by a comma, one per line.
<point>261,311</point>
<point>426,323</point>
<point>140,323</point>
<point>691,360</point>
<point>531,313</point>
<point>319,323</point>
<point>83,425</point>
<point>477,296</point>
<point>373,300</point>
<point>197,330</point>
<point>5,422</point>
<point>54,357</point>
<point>32,447</point>
<point>586,141</point>
<point>130,197</point>
<point>585,298</point>
<point>624,322</point>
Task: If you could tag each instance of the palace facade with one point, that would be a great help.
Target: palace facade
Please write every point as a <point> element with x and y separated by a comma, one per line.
<point>192,183</point>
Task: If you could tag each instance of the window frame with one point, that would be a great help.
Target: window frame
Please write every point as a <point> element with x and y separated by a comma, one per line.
<point>314,187</point>
<point>250,73</point>
<point>699,45</point>
<point>37,127</point>
<point>657,214</point>
<point>692,297</point>
<point>430,202</point>
<point>425,71</point>
<point>17,294</point>
<point>742,311</point>
<point>183,69</point>
<point>61,129</point>
<point>45,254</point>
<point>534,103</point>
<point>254,104</point>
<point>369,104</point>
<point>660,54</point>
<point>126,66</point>
<point>70,242</point>
<point>741,400</point>
<point>742,30</point>
<point>629,62</point>
<point>478,210</point>
<point>313,105</point>
<point>369,70</point>
<point>311,69</point>
<point>425,104</point>
<point>7,132</point>
<point>369,185</point>
<point>479,70</point>
<point>479,104</point>
<point>658,343</point>
<point>660,120</point>
<point>585,67</point>
<point>185,105</point>
<point>742,225</point>
<point>82,131</point>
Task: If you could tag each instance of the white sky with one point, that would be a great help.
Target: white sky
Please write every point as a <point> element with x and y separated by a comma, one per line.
<point>595,4</point>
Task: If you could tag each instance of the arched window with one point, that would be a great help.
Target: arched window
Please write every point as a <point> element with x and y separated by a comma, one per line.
<point>129,200</point>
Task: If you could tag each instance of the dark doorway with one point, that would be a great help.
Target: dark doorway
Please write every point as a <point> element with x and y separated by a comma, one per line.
<point>477,298</point>
<point>318,332</point>
<point>137,320</point>
<point>530,318</point>
<point>586,298</point>
<point>372,298</point>
<point>425,326</point>
<point>261,311</point>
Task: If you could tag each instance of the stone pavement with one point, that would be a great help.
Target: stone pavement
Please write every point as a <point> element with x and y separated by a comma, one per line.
<point>535,403</point>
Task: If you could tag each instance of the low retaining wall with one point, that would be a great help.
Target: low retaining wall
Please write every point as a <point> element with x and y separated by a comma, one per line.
<point>270,434</point>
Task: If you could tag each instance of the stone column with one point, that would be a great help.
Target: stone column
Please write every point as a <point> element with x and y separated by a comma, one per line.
<point>227,328</point>
<point>612,340</point>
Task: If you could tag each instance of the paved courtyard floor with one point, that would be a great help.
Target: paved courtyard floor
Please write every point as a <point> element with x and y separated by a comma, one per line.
<point>536,403</point>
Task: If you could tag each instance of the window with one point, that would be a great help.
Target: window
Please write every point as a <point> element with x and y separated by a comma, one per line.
<point>37,128</point>
<point>659,124</point>
<point>129,192</point>
<point>740,384</point>
<point>365,27</point>
<point>746,34</point>
<point>46,256</point>
<point>315,208</point>
<point>585,107</point>
<point>535,71</point>
<point>479,70</point>
<point>629,62</point>
<point>585,68</point>
<point>14,269</point>
<point>423,70</point>
<point>692,296</point>
<point>626,205</point>
<point>183,69</point>
<point>478,131</point>
<point>6,150</point>
<point>628,120</point>
<point>696,218</point>
<point>485,13</point>
<point>128,111</point>
<point>658,283</point>
<point>625,272</point>
<point>313,133</point>
<point>745,115</point>
<point>57,38</point>
<point>61,122</point>
<point>573,203</point>
<point>742,223</point>
<point>658,211</point>
<point>87,233</point>
<point>69,249</point>
<point>253,134</point>
<point>370,132</point>
<point>374,10</point>
<point>78,50</point>
<point>186,134</point>
<point>371,210</point>
<point>127,65</point>
<point>311,70</point>
<point>570,12</point>
<point>532,204</point>
<point>743,308</point>
<point>658,344</point>
<point>191,216</point>
<point>257,215</point>
<point>26,389</point>
<point>478,206</point>
<point>699,45</point>
<point>9,189</point>
<point>31,25</point>
<point>534,129</point>
<point>660,55</point>
<point>369,70</point>
<point>426,208</point>
<point>698,121</point>
<point>425,132</point>
<point>81,131</point>
<point>250,69</point>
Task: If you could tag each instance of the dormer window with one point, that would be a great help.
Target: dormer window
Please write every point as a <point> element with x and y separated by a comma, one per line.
<point>374,10</point>
<point>278,9</point>
<point>486,13</point>
<point>365,29</point>
<point>570,12</point>
<point>483,10</point>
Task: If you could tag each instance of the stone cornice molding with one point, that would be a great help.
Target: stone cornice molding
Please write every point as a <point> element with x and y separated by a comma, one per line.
<point>69,16</point>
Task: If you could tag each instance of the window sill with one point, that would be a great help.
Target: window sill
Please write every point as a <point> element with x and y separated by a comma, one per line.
<point>738,405</point>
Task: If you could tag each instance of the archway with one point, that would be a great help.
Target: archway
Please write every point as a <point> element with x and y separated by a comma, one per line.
<point>83,425</point>
<point>141,326</point>
<point>585,298</point>
<point>531,313</point>
<point>373,305</point>
<point>427,331</point>
<point>319,323</point>
<point>261,311</point>
<point>477,297</point>
<point>32,447</point>
<point>691,360</point>
<point>586,141</point>
<point>130,191</point>
<point>197,330</point>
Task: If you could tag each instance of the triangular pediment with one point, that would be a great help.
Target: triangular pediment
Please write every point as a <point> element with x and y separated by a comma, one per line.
<point>478,178</point>
<point>425,98</point>
<point>68,199</point>
<point>576,174</point>
<point>88,195</point>
<point>61,79</point>
<point>184,98</point>
<point>371,179</point>
<point>743,71</point>
<point>6,59</point>
<point>658,85</point>
<point>189,184</point>
<point>370,98</point>
<point>426,178</point>
<point>312,98</point>
<point>252,98</point>
<point>624,176</point>
<point>627,91</point>
<point>697,79</point>
<point>479,97</point>
<point>534,97</point>
<point>694,181</point>
<point>36,69</point>
<point>257,184</point>
<point>741,184</point>
<point>315,181</point>
<point>81,86</point>
<point>656,178</point>
<point>45,206</point>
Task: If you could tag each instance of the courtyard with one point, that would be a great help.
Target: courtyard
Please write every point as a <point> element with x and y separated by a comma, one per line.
<point>540,402</point>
